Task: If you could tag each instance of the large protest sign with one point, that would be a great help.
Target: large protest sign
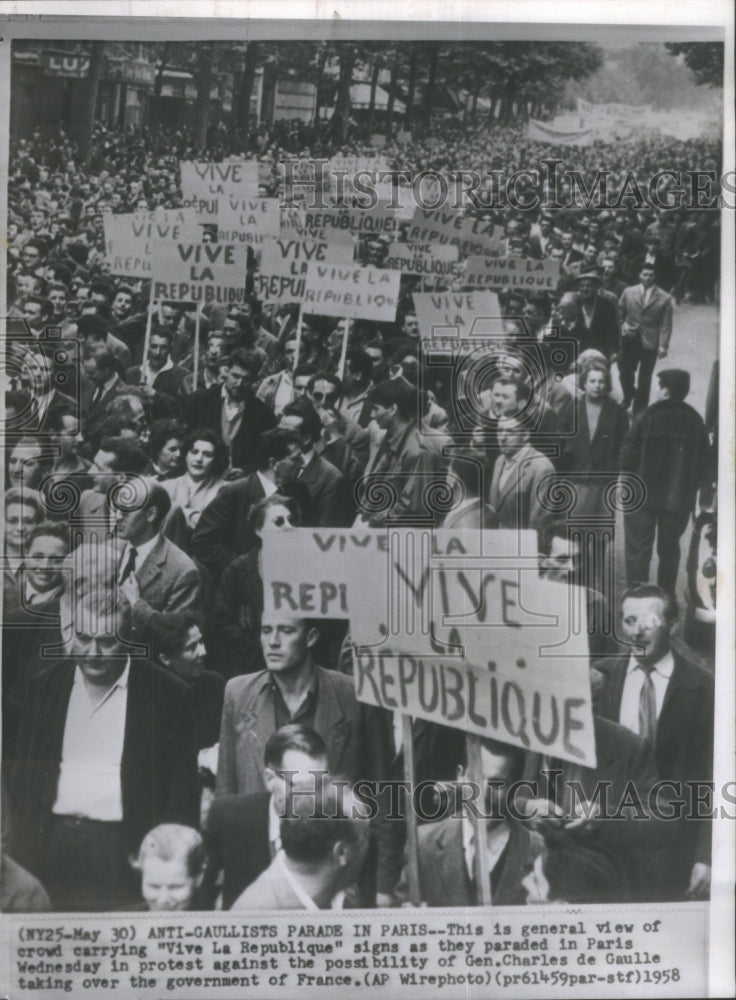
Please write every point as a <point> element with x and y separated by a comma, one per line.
<point>202,184</point>
<point>284,265</point>
<point>294,227</point>
<point>457,315</point>
<point>363,221</point>
<point>306,571</point>
<point>351,292</point>
<point>510,272</point>
<point>129,237</point>
<point>247,220</point>
<point>443,225</point>
<point>480,645</point>
<point>542,132</point>
<point>426,259</point>
<point>199,272</point>
<point>630,113</point>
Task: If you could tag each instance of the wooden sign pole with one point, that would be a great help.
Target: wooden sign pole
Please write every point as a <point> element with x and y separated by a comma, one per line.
<point>344,351</point>
<point>412,848</point>
<point>197,316</point>
<point>147,339</point>
<point>298,337</point>
<point>482,872</point>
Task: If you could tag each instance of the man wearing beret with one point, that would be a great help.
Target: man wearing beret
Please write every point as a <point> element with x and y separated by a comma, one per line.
<point>668,448</point>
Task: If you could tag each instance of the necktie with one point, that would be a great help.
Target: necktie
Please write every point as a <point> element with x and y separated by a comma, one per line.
<point>647,705</point>
<point>130,564</point>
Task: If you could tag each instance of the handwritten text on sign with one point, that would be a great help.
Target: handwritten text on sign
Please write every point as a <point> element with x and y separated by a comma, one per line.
<point>202,184</point>
<point>129,238</point>
<point>377,219</point>
<point>425,259</point>
<point>284,266</point>
<point>306,571</point>
<point>470,236</point>
<point>440,314</point>
<point>509,272</point>
<point>352,292</point>
<point>511,668</point>
<point>248,220</point>
<point>199,272</point>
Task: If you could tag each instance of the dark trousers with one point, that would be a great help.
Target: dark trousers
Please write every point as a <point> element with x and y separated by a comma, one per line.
<point>640,529</point>
<point>87,866</point>
<point>632,357</point>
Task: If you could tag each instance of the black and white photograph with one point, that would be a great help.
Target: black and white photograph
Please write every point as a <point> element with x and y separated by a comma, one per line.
<point>368,421</point>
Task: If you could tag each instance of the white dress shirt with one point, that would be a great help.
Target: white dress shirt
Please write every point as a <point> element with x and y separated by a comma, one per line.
<point>496,837</point>
<point>629,712</point>
<point>269,487</point>
<point>92,752</point>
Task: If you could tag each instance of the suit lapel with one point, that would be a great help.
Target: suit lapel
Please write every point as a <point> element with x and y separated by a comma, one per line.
<point>330,721</point>
<point>152,566</point>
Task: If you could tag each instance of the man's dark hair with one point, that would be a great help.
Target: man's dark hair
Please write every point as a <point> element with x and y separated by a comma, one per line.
<point>248,360</point>
<point>46,306</point>
<point>170,630</point>
<point>293,737</point>
<point>314,823</point>
<point>553,528</point>
<point>361,362</point>
<point>275,444</point>
<point>163,431</point>
<point>523,392</point>
<point>92,325</point>
<point>128,456</point>
<point>311,424</point>
<point>640,591</point>
<point>396,391</point>
<point>305,369</point>
<point>156,497</point>
<point>323,376</point>
<point>165,333</point>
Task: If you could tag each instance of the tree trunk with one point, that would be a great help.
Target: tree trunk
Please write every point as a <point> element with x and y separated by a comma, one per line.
<point>429,93</point>
<point>158,83</point>
<point>268,92</point>
<point>321,60</point>
<point>252,55</point>
<point>411,86</point>
<point>372,104</point>
<point>202,101</point>
<point>492,110</point>
<point>342,104</point>
<point>89,106</point>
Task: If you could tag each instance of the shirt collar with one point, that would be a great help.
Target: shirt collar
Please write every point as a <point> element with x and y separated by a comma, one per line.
<point>520,454</point>
<point>497,837</point>
<point>147,371</point>
<point>121,682</point>
<point>663,666</point>
<point>269,488</point>
<point>143,550</point>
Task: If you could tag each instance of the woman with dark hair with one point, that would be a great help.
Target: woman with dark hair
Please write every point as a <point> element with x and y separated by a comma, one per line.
<point>236,618</point>
<point>167,439</point>
<point>205,460</point>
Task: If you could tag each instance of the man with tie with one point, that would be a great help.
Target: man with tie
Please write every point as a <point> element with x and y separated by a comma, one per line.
<point>646,329</point>
<point>243,830</point>
<point>325,483</point>
<point>668,703</point>
<point>153,574</point>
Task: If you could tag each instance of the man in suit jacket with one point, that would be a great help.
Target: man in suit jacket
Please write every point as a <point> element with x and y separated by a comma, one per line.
<point>100,386</point>
<point>116,460</point>
<point>669,703</point>
<point>242,831</point>
<point>158,373</point>
<point>104,754</point>
<point>646,328</point>
<point>325,483</point>
<point>598,314</point>
<point>233,411</point>
<point>153,573</point>
<point>448,862</point>
<point>324,841</point>
<point>520,477</point>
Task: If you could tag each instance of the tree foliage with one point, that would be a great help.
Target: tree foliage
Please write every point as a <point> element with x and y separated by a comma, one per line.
<point>703,59</point>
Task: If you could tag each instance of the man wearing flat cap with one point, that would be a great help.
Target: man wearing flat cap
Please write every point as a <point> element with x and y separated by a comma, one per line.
<point>668,448</point>
<point>598,314</point>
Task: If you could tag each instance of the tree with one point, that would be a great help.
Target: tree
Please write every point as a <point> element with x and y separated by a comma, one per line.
<point>203,82</point>
<point>86,120</point>
<point>703,59</point>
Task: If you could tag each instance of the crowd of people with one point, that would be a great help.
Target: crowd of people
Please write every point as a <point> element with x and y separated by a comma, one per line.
<point>140,482</point>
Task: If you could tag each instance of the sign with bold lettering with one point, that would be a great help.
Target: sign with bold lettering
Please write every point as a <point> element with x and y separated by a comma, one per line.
<point>457,315</point>
<point>379,219</point>
<point>510,272</point>
<point>199,272</point>
<point>428,259</point>
<point>284,266</point>
<point>443,225</point>
<point>481,644</point>
<point>202,184</point>
<point>352,292</point>
<point>129,238</point>
<point>247,220</point>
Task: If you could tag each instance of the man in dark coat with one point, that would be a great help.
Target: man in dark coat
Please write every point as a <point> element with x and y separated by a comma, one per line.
<point>668,448</point>
<point>233,411</point>
<point>85,790</point>
<point>598,315</point>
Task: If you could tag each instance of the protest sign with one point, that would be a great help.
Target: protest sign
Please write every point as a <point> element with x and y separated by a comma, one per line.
<point>484,653</point>
<point>378,141</point>
<point>379,219</point>
<point>247,220</point>
<point>202,184</point>
<point>350,165</point>
<point>542,132</point>
<point>423,259</point>
<point>510,272</point>
<point>469,235</point>
<point>199,272</point>
<point>351,292</point>
<point>294,226</point>
<point>129,237</point>
<point>284,265</point>
<point>457,314</point>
